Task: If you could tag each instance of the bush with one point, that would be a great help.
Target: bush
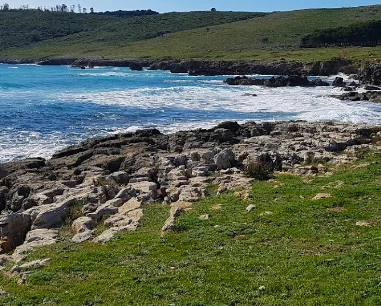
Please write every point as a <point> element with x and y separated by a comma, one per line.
<point>258,170</point>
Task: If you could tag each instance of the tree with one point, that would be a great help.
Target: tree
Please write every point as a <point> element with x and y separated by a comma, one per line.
<point>91,10</point>
<point>79,8</point>
<point>213,9</point>
<point>5,7</point>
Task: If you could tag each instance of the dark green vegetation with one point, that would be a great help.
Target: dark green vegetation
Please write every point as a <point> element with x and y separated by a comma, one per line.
<point>203,35</point>
<point>291,250</point>
<point>361,34</point>
<point>22,28</point>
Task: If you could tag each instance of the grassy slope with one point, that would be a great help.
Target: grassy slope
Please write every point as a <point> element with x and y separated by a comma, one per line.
<point>18,29</point>
<point>273,36</point>
<point>304,253</point>
<point>245,39</point>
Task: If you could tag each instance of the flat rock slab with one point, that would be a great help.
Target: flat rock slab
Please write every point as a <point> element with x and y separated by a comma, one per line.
<point>35,239</point>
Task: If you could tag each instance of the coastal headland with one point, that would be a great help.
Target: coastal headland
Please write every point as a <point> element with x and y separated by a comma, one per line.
<point>278,213</point>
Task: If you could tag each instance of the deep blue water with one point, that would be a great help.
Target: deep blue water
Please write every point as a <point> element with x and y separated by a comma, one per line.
<point>45,108</point>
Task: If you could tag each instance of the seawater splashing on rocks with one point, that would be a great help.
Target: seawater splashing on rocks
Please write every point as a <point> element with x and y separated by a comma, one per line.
<point>43,109</point>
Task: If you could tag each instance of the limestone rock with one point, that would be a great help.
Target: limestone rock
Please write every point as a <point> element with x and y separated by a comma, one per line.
<point>176,210</point>
<point>108,234</point>
<point>51,216</point>
<point>34,239</point>
<point>320,196</point>
<point>225,159</point>
<point>82,224</point>
<point>251,207</point>
<point>13,228</point>
<point>83,236</point>
<point>31,265</point>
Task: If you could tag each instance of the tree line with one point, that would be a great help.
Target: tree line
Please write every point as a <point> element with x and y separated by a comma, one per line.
<point>77,8</point>
<point>360,34</point>
<point>63,8</point>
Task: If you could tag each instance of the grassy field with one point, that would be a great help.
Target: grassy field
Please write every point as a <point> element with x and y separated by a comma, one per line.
<point>19,29</point>
<point>207,35</point>
<point>291,250</point>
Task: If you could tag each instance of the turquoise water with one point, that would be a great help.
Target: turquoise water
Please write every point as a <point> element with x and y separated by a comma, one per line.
<point>43,109</point>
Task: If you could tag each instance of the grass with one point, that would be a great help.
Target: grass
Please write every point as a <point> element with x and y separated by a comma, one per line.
<point>290,251</point>
<point>208,35</point>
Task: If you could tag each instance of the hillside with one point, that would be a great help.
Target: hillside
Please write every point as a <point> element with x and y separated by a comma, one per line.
<point>18,29</point>
<point>227,35</point>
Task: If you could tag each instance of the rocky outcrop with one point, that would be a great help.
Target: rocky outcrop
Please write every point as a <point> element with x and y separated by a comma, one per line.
<point>371,74</point>
<point>210,68</point>
<point>106,181</point>
<point>281,81</point>
<point>371,96</point>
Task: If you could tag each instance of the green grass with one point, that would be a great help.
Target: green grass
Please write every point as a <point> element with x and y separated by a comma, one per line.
<point>19,29</point>
<point>208,35</point>
<point>304,253</point>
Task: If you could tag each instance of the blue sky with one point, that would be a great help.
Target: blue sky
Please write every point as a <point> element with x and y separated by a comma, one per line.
<point>197,5</point>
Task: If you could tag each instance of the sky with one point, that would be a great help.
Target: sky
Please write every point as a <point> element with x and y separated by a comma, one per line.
<point>196,5</point>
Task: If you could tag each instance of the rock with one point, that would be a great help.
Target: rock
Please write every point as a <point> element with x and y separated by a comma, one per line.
<point>251,207</point>
<point>35,239</point>
<point>204,217</point>
<point>320,196</point>
<point>371,87</point>
<point>176,210</point>
<point>4,259</point>
<point>121,177</point>
<point>338,82</point>
<point>31,265</point>
<point>318,82</point>
<point>244,80</point>
<point>13,229</point>
<point>128,220</point>
<point>371,74</point>
<point>363,223</point>
<point>131,205</point>
<point>105,209</point>
<point>82,224</point>
<point>225,159</point>
<point>144,191</point>
<point>83,236</point>
<point>190,193</point>
<point>51,216</point>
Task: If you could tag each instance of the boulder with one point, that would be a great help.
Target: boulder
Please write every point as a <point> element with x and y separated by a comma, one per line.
<point>82,224</point>
<point>338,82</point>
<point>225,159</point>
<point>50,216</point>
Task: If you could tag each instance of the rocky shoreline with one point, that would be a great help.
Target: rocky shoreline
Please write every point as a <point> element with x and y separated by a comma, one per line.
<point>108,180</point>
<point>209,67</point>
<point>367,73</point>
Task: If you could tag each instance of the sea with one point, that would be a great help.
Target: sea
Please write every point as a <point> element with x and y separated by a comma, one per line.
<point>46,108</point>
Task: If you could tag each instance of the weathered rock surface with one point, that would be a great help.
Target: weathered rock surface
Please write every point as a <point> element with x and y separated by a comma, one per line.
<point>371,74</point>
<point>281,81</point>
<point>371,96</point>
<point>107,180</point>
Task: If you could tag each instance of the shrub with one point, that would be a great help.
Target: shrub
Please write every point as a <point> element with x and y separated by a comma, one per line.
<point>258,170</point>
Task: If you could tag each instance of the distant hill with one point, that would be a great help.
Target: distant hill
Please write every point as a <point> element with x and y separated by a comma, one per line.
<point>214,35</point>
<point>22,28</point>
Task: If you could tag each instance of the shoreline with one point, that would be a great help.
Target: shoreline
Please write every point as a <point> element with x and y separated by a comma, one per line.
<point>208,67</point>
<point>101,175</point>
<point>368,72</point>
